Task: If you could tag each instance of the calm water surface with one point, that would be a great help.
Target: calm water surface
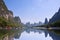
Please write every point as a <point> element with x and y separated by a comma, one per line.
<point>28,34</point>
<point>34,36</point>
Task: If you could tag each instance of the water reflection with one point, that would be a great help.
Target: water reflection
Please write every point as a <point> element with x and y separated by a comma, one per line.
<point>54,36</point>
<point>10,34</point>
<point>28,34</point>
<point>33,36</point>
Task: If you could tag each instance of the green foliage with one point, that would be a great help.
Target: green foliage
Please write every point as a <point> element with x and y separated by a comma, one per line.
<point>4,23</point>
<point>56,24</point>
<point>45,25</point>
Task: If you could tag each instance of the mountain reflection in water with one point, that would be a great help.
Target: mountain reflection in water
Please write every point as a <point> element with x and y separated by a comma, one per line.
<point>33,34</point>
<point>28,34</point>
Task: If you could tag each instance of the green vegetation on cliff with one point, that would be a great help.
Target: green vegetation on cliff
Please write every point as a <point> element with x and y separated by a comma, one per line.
<point>6,23</point>
<point>56,24</point>
<point>6,17</point>
<point>3,22</point>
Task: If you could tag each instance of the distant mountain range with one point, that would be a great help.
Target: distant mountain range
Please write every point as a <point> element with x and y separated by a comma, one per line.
<point>32,25</point>
<point>56,17</point>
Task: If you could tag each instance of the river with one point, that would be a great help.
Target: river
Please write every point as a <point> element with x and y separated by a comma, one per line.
<point>31,34</point>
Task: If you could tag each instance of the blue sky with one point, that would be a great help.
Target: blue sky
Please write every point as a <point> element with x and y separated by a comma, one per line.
<point>33,10</point>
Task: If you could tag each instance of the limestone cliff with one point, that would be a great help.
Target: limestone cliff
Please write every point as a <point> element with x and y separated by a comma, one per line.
<point>4,12</point>
<point>56,17</point>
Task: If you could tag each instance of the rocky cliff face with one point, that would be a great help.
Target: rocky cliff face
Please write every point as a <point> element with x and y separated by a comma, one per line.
<point>4,12</point>
<point>17,19</point>
<point>46,21</point>
<point>3,6</point>
<point>56,17</point>
<point>8,14</point>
